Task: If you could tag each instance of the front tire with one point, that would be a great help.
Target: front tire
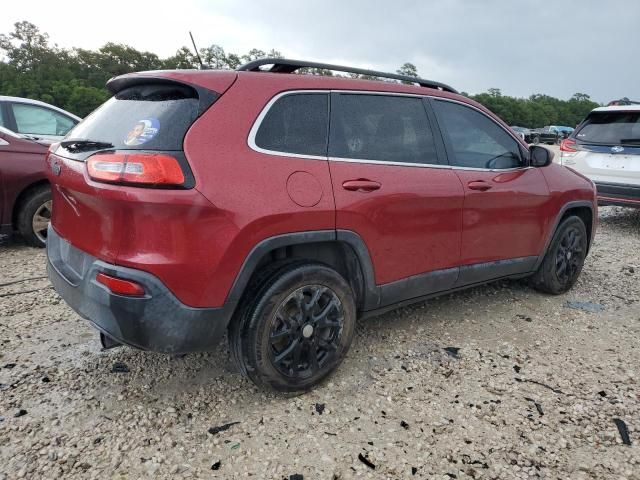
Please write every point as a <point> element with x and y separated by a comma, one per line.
<point>296,328</point>
<point>34,217</point>
<point>564,259</point>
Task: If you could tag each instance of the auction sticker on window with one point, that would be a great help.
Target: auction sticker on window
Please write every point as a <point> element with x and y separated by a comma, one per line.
<point>143,131</point>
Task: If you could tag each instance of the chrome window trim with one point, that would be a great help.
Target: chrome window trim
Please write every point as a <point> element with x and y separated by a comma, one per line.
<point>385,162</point>
<point>425,165</point>
<point>3,142</point>
<point>251,140</point>
<point>11,133</point>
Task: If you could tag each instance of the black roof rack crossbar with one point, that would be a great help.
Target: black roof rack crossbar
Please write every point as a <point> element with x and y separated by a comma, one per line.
<point>283,65</point>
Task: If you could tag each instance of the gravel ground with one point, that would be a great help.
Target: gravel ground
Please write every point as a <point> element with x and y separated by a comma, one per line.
<point>494,382</point>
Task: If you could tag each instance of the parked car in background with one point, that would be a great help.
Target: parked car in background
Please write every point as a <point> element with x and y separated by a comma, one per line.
<point>564,130</point>
<point>36,119</point>
<point>523,133</point>
<point>280,208</point>
<point>551,134</point>
<point>25,194</point>
<point>606,148</point>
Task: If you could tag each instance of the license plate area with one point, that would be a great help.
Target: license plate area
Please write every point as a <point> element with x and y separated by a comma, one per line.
<point>70,262</point>
<point>630,163</point>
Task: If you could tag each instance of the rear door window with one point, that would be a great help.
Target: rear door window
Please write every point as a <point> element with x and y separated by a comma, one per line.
<point>611,128</point>
<point>381,128</point>
<point>37,120</point>
<point>296,123</point>
<point>476,141</point>
<point>142,117</point>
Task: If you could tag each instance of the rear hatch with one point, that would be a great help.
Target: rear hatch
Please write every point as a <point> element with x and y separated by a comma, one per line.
<point>123,168</point>
<point>606,147</point>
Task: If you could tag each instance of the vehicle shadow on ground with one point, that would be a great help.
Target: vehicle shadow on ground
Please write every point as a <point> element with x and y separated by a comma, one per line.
<point>8,241</point>
<point>177,376</point>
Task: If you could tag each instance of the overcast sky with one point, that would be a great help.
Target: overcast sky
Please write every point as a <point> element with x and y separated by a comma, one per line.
<point>522,47</point>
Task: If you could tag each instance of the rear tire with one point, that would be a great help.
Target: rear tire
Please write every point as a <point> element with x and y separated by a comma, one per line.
<point>294,327</point>
<point>564,259</point>
<point>34,217</point>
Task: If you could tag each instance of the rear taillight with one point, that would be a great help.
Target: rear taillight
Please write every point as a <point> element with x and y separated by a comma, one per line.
<point>568,145</point>
<point>136,168</point>
<point>120,286</point>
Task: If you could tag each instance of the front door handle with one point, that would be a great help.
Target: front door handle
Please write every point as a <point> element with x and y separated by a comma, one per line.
<point>479,185</point>
<point>362,185</point>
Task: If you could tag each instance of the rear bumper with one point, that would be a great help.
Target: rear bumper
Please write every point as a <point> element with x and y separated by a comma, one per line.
<point>618,194</point>
<point>158,321</point>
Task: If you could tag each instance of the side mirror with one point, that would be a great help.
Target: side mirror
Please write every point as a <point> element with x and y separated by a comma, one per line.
<point>540,156</point>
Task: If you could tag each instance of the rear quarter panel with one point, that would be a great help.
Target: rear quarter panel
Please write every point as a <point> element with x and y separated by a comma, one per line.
<point>248,188</point>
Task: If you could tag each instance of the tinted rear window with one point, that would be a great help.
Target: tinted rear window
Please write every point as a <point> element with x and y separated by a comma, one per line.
<point>379,127</point>
<point>296,123</point>
<point>144,117</point>
<point>611,128</point>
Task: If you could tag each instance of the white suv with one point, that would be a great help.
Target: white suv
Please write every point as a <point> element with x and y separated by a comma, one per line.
<point>606,148</point>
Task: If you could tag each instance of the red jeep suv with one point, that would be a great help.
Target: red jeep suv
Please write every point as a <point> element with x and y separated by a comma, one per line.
<point>280,207</point>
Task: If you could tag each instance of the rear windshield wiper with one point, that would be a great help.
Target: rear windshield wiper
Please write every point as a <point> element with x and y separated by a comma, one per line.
<point>635,141</point>
<point>78,145</point>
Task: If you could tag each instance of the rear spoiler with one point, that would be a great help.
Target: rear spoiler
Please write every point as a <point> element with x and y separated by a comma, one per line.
<point>206,97</point>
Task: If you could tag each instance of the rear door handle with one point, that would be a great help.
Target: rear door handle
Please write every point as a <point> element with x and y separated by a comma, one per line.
<point>479,185</point>
<point>362,185</point>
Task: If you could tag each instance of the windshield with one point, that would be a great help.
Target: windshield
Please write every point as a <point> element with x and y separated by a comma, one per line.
<point>610,128</point>
<point>144,117</point>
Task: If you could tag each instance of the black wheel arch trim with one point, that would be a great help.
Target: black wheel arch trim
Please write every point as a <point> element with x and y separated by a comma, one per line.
<point>370,291</point>
<point>567,206</point>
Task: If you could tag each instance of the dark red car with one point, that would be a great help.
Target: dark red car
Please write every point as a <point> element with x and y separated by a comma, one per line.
<point>280,207</point>
<point>25,195</point>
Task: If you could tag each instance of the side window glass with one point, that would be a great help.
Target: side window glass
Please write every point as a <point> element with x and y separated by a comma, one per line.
<point>476,140</point>
<point>296,123</point>
<point>2,121</point>
<point>35,120</point>
<point>380,127</point>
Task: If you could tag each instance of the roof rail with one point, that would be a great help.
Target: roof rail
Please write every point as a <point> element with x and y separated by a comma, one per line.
<point>283,65</point>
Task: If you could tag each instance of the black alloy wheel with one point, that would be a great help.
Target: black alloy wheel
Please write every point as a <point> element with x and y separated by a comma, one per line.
<point>564,258</point>
<point>294,325</point>
<point>305,331</point>
<point>569,255</point>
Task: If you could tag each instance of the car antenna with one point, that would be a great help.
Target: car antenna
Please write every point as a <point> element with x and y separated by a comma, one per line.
<point>202,67</point>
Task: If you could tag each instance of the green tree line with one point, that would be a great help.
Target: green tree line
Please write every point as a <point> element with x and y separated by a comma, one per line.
<point>74,79</point>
